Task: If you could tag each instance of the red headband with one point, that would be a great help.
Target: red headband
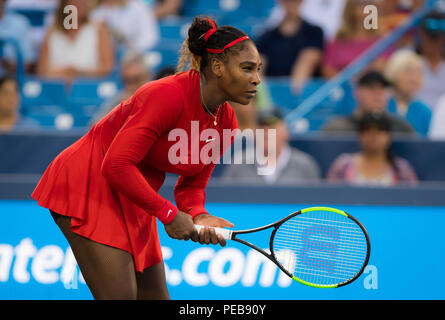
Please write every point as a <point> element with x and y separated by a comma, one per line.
<point>212,31</point>
<point>227,45</point>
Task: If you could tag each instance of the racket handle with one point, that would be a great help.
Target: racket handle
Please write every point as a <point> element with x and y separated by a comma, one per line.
<point>226,233</point>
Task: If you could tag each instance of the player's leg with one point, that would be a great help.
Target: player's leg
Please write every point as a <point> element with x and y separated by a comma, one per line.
<point>152,284</point>
<point>109,272</point>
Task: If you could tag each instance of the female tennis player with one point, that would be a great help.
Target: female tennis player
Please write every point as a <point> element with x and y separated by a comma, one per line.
<point>102,191</point>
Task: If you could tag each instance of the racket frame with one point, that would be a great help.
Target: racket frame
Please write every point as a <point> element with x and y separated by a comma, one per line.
<point>276,226</point>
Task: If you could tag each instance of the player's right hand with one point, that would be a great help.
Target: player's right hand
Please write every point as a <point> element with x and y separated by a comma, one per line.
<point>182,228</point>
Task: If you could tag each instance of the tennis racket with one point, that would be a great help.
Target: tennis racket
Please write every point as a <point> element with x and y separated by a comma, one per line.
<point>319,247</point>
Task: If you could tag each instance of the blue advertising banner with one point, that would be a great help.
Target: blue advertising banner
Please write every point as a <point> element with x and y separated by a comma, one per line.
<point>407,257</point>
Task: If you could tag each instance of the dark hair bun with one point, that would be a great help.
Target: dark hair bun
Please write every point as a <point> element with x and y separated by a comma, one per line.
<point>196,42</point>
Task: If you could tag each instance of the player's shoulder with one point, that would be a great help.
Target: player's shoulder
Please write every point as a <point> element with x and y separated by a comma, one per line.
<point>170,87</point>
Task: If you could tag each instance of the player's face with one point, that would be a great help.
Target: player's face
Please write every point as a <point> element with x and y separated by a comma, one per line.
<point>241,75</point>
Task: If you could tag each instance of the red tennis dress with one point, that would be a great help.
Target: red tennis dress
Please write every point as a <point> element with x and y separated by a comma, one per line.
<point>108,180</point>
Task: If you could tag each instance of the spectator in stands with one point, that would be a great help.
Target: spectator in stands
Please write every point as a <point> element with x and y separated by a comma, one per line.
<point>17,28</point>
<point>134,74</point>
<point>392,13</point>
<point>352,40</point>
<point>374,164</point>
<point>10,118</point>
<point>372,95</point>
<point>326,14</point>
<point>167,8</point>
<point>133,23</point>
<point>39,13</point>
<point>294,48</point>
<point>404,72</point>
<point>71,51</point>
<point>431,48</point>
<point>437,130</point>
<point>290,166</point>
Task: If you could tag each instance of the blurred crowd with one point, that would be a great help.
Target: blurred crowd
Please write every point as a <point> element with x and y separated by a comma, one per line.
<point>401,92</point>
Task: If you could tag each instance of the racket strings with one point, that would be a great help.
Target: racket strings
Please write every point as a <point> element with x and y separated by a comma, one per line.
<point>321,247</point>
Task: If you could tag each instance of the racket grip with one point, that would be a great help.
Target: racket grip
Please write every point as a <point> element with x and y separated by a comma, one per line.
<point>226,233</point>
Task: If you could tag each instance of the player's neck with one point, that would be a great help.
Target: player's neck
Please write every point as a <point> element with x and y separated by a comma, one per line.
<point>210,94</point>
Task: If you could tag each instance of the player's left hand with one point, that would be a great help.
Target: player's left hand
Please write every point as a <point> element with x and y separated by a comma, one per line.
<point>207,234</point>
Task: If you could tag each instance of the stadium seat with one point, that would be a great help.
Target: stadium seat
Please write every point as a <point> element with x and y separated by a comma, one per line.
<point>246,15</point>
<point>281,93</point>
<point>42,95</point>
<point>45,120</point>
<point>88,90</point>
<point>242,9</point>
<point>174,29</point>
<point>87,94</point>
<point>347,104</point>
<point>36,17</point>
<point>221,8</point>
<point>60,121</point>
<point>193,8</point>
<point>252,26</point>
<point>340,101</point>
<point>162,56</point>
